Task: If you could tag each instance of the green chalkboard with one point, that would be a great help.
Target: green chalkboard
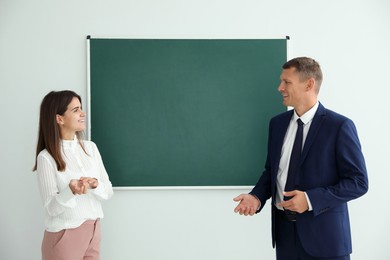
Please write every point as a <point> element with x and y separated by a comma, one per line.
<point>181,112</point>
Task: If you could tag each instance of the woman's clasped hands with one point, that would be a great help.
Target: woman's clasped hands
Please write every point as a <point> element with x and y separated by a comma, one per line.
<point>82,185</point>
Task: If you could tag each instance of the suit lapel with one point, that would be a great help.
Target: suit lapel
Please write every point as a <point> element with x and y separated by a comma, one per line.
<point>280,132</point>
<point>315,126</point>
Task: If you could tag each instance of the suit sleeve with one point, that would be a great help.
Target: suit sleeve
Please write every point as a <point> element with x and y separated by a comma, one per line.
<point>262,189</point>
<point>350,169</point>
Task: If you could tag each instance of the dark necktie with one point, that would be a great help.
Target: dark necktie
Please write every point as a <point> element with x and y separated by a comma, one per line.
<point>294,159</point>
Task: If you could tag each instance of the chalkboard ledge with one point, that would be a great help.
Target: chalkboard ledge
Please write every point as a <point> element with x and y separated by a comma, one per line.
<point>183,188</point>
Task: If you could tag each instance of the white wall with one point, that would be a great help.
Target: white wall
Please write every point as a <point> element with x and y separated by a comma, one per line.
<point>43,47</point>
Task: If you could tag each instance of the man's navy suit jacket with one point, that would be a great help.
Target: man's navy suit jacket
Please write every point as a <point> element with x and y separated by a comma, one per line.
<point>332,171</point>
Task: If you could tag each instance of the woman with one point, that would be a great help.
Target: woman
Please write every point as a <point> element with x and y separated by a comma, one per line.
<point>72,180</point>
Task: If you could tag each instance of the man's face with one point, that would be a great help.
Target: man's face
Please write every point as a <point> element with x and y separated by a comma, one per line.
<point>292,88</point>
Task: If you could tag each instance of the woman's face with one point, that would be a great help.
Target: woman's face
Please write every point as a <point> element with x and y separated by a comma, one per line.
<point>72,121</point>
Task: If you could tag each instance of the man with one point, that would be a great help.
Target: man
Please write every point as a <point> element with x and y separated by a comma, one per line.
<point>309,194</point>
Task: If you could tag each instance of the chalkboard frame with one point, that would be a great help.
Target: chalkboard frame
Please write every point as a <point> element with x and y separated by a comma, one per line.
<point>91,113</point>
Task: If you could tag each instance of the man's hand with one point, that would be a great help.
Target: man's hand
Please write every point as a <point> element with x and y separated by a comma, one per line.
<point>297,203</point>
<point>248,204</point>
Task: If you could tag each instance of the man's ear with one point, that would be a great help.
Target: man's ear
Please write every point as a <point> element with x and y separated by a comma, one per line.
<point>310,84</point>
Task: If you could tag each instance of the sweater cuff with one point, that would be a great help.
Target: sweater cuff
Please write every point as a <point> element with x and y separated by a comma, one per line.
<point>67,198</point>
<point>100,188</point>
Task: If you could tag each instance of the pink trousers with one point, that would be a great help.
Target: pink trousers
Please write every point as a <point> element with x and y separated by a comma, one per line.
<point>81,243</point>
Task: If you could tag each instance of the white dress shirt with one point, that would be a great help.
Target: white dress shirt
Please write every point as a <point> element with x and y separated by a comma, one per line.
<point>63,209</point>
<point>288,143</point>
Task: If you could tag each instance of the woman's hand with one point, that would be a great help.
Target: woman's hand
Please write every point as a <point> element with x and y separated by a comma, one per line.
<point>82,185</point>
<point>77,187</point>
<point>90,183</point>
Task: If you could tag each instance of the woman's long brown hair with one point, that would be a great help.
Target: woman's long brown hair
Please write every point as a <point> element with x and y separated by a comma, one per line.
<point>49,138</point>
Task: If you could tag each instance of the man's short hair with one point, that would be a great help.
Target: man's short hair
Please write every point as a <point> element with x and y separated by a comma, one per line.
<point>306,68</point>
